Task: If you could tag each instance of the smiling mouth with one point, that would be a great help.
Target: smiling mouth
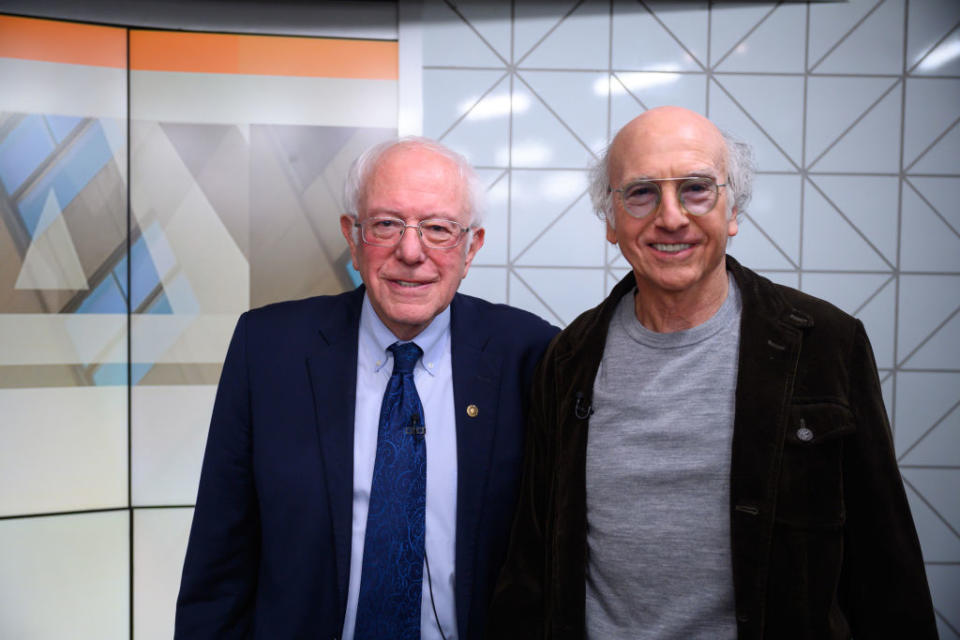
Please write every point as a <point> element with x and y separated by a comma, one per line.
<point>671,248</point>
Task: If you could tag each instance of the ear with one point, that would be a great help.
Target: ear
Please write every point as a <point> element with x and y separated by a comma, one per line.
<point>611,233</point>
<point>476,242</point>
<point>350,234</point>
<point>732,226</point>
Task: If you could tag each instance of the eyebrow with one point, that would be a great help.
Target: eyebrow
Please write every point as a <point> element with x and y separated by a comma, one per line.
<point>393,213</point>
<point>697,173</point>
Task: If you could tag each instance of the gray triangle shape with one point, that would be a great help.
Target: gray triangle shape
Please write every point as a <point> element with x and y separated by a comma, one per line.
<point>939,487</point>
<point>927,23</point>
<point>195,143</point>
<point>51,261</point>
<point>943,581</point>
<point>835,104</point>
<point>849,291</point>
<point>731,25</point>
<point>563,48</point>
<point>869,202</point>
<point>533,21</point>
<point>875,46</point>
<point>943,194</point>
<point>938,541</point>
<point>942,157</point>
<point>926,302</point>
<point>776,46</point>
<point>642,43</point>
<point>830,242</point>
<point>943,59</point>
<point>924,402</point>
<point>751,246</point>
<point>867,147</point>
<point>775,104</point>
<point>927,243</point>
<point>449,41</point>
<point>730,116</point>
<point>929,113</point>
<point>878,315</point>
<point>586,116</point>
<point>941,351</point>
<point>523,296</point>
<point>492,22</point>
<point>568,292</point>
<point>829,22</point>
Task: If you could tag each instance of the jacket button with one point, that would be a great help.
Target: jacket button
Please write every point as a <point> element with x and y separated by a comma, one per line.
<point>804,434</point>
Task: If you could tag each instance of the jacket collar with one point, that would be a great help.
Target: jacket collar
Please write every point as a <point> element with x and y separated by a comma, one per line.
<point>762,298</point>
<point>759,296</point>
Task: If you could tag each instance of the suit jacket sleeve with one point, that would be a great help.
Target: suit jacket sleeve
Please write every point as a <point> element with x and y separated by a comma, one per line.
<point>220,570</point>
<point>518,606</point>
<point>883,581</point>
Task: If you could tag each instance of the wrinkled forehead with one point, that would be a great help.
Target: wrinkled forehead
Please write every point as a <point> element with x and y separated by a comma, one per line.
<point>661,147</point>
<point>415,172</point>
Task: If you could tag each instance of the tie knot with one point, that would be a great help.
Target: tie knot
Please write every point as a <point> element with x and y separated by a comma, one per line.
<point>405,356</point>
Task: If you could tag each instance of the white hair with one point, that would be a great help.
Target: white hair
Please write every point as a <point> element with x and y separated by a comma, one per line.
<point>355,185</point>
<point>740,171</point>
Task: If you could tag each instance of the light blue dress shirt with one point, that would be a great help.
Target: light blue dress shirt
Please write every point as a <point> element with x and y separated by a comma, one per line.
<point>433,376</point>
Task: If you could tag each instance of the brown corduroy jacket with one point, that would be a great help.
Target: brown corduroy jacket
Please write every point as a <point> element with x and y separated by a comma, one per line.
<point>823,543</point>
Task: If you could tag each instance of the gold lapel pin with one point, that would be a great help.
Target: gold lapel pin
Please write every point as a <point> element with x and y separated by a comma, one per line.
<point>472,410</point>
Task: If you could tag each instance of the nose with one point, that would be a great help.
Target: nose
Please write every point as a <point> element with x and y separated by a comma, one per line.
<point>671,215</point>
<point>410,248</point>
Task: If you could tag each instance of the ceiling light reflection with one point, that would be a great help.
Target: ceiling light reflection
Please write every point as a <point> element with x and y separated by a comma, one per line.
<point>942,55</point>
<point>493,106</point>
<point>563,186</point>
<point>529,154</point>
<point>623,82</point>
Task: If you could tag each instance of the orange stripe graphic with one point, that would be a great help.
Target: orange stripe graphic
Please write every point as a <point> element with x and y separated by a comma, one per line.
<point>262,55</point>
<point>56,41</point>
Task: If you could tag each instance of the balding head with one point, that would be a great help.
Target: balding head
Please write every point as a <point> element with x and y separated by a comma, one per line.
<point>654,132</point>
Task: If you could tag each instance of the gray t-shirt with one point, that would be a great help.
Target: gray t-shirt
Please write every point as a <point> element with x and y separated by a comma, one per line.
<point>658,480</point>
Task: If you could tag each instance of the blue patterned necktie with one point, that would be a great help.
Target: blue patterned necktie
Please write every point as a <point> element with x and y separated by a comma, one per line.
<point>391,578</point>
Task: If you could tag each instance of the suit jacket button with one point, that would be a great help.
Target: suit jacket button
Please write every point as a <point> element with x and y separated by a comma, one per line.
<point>804,434</point>
<point>472,410</point>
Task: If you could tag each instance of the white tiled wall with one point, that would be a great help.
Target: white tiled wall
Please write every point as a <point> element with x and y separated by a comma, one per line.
<point>854,111</point>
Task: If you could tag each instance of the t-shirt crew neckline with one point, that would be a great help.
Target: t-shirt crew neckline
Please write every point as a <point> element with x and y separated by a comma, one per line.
<point>728,312</point>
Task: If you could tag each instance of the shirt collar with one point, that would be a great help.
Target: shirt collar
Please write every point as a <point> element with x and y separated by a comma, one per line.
<point>375,337</point>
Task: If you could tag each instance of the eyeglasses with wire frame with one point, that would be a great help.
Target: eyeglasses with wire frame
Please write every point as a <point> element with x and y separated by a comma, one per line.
<point>435,233</point>
<point>698,195</point>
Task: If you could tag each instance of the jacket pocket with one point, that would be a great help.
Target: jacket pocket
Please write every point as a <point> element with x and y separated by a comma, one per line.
<point>811,474</point>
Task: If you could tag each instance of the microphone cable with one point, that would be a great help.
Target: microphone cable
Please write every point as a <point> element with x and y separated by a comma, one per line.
<point>433,604</point>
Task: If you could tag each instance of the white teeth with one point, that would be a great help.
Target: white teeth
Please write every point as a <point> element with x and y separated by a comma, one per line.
<point>671,248</point>
<point>404,283</point>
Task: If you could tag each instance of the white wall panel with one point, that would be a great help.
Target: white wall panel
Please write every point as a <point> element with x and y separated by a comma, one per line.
<point>64,449</point>
<point>65,576</point>
<point>168,438</point>
<point>212,98</point>
<point>159,543</point>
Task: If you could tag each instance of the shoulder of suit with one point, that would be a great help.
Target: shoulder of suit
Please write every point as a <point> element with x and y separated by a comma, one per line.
<point>499,316</point>
<point>307,310</point>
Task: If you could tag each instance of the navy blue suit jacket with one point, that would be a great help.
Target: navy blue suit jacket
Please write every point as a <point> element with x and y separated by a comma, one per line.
<point>269,550</point>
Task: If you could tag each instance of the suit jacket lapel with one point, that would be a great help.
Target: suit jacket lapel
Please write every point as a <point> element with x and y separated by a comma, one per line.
<point>475,385</point>
<point>332,366</point>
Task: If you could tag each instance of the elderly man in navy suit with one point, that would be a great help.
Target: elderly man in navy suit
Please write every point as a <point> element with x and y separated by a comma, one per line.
<point>363,459</point>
